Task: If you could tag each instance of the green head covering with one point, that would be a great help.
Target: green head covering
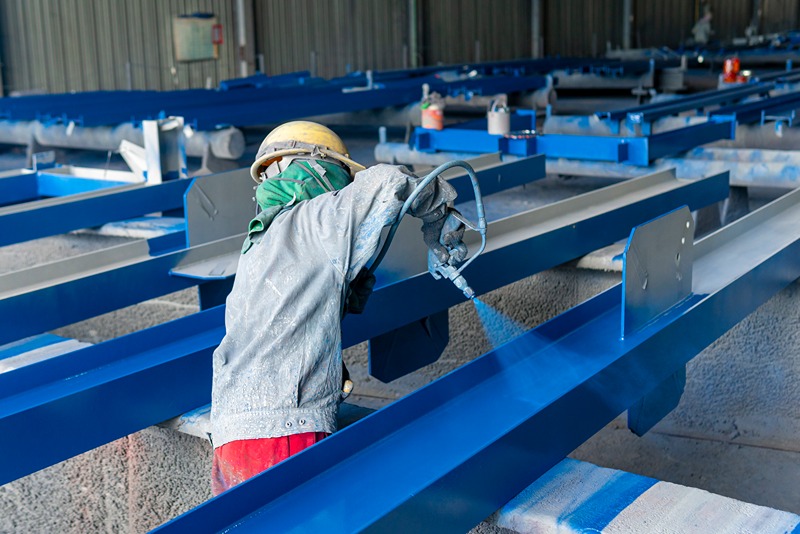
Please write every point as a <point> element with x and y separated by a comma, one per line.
<point>302,180</point>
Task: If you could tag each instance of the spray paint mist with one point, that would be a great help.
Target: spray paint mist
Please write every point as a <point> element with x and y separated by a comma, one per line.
<point>499,327</point>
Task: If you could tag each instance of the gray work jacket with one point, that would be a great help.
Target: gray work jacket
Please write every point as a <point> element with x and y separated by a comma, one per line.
<point>278,370</point>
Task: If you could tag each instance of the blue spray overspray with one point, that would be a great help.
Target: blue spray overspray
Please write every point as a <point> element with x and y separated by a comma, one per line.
<point>499,327</point>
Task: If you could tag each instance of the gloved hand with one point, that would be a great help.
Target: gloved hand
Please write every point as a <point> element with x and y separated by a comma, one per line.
<point>444,239</point>
<point>358,292</point>
<point>347,384</point>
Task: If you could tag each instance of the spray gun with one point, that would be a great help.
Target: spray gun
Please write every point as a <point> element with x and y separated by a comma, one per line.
<point>455,257</point>
<point>455,264</point>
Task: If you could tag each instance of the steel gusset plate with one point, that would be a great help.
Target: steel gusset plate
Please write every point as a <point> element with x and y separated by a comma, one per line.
<point>445,457</point>
<point>95,395</point>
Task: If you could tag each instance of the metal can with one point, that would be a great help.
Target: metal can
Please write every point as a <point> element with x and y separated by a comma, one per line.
<point>432,117</point>
<point>730,69</point>
<point>498,119</point>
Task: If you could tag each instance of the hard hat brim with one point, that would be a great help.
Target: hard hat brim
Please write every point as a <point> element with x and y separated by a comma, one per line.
<point>267,159</point>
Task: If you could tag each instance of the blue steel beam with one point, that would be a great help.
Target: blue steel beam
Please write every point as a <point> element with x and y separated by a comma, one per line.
<point>301,106</point>
<point>26,185</point>
<point>208,108</point>
<point>23,222</point>
<point>130,382</point>
<point>780,76</point>
<point>758,111</point>
<point>445,457</point>
<point>18,186</point>
<point>673,142</point>
<point>61,185</point>
<point>640,150</point>
<point>650,112</point>
<point>134,272</point>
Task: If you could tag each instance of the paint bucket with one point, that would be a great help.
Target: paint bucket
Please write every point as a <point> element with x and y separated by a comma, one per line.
<point>498,118</point>
<point>730,70</point>
<point>432,116</point>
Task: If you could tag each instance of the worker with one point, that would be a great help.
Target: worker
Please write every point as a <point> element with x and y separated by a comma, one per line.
<point>278,372</point>
<point>702,31</point>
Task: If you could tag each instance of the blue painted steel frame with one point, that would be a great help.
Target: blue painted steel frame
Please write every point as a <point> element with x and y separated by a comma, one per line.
<point>445,457</point>
<point>20,186</point>
<point>112,288</point>
<point>23,222</point>
<point>635,150</point>
<point>210,109</point>
<point>645,114</point>
<point>758,111</point>
<point>130,382</point>
<point>473,137</point>
<point>61,185</point>
<point>233,103</point>
<point>150,277</point>
<point>28,186</point>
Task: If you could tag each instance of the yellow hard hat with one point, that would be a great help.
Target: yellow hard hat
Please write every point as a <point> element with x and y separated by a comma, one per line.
<point>301,137</point>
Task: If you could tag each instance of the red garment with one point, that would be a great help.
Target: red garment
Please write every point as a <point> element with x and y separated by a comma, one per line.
<point>239,460</point>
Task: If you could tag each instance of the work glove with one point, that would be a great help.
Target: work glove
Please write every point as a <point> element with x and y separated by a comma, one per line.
<point>358,292</point>
<point>443,237</point>
<point>347,384</point>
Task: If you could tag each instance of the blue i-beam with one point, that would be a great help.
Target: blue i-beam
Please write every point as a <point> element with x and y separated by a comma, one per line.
<point>446,456</point>
<point>147,377</point>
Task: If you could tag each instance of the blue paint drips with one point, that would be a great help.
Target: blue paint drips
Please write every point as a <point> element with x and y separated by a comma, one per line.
<point>499,328</point>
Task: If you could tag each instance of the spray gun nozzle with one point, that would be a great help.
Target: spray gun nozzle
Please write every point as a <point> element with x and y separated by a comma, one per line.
<point>469,293</point>
<point>458,280</point>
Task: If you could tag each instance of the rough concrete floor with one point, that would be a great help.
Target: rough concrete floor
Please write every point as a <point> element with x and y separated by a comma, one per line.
<point>735,432</point>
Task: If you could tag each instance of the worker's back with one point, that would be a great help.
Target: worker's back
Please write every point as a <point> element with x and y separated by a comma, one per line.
<point>282,320</point>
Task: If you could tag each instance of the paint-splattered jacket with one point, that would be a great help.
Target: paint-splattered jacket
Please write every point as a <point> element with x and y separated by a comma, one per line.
<point>278,371</point>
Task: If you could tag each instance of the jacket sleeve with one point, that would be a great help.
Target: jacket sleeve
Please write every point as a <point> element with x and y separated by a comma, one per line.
<point>374,200</point>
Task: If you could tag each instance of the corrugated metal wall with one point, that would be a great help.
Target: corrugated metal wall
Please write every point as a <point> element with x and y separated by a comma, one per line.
<point>82,45</point>
<point>474,30</point>
<point>580,28</point>
<point>780,15</point>
<point>730,17</point>
<point>662,23</point>
<point>75,45</point>
<point>344,35</point>
<point>669,22</point>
